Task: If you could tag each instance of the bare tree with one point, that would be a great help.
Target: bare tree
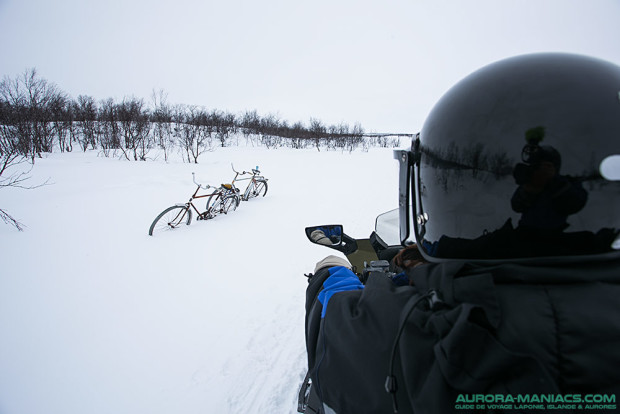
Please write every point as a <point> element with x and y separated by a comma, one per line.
<point>223,125</point>
<point>298,135</point>
<point>250,122</point>
<point>16,131</point>
<point>356,137</point>
<point>318,131</point>
<point>11,176</point>
<point>25,128</point>
<point>31,99</point>
<point>269,130</point>
<point>8,129</point>
<point>161,117</point>
<point>11,158</point>
<point>135,128</point>
<point>85,119</point>
<point>62,113</point>
<point>109,131</point>
<point>193,136</point>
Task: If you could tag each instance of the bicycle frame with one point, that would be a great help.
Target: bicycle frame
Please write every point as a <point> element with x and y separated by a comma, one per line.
<point>218,190</point>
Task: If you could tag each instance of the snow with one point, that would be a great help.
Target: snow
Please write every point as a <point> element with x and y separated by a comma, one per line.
<point>98,317</point>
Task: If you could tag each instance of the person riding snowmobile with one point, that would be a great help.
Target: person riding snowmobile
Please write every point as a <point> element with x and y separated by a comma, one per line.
<point>497,317</point>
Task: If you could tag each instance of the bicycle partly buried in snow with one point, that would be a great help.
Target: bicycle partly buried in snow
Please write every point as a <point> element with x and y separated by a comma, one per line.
<point>221,200</point>
<point>256,187</point>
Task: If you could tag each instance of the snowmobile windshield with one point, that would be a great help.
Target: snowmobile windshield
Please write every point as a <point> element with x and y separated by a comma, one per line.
<point>387,227</point>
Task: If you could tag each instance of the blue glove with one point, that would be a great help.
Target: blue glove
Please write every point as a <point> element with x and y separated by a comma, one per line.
<point>340,279</point>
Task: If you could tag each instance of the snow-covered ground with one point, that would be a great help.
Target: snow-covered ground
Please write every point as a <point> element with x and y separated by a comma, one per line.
<point>98,317</point>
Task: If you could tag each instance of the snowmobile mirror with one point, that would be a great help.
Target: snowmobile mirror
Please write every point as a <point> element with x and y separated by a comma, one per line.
<point>327,235</point>
<point>332,236</point>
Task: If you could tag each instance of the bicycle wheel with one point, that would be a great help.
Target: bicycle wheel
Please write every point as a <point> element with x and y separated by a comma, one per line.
<point>219,195</point>
<point>230,202</point>
<point>171,218</point>
<point>223,204</point>
<point>248,192</point>
<point>210,199</point>
<point>213,205</point>
<point>257,188</point>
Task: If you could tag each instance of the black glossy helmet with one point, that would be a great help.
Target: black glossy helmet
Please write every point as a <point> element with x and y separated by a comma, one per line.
<point>519,160</point>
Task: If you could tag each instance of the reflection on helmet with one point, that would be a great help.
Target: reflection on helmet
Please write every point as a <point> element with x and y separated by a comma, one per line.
<point>507,163</point>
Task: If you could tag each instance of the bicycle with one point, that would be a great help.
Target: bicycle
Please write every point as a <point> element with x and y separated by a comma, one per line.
<point>257,185</point>
<point>174,216</point>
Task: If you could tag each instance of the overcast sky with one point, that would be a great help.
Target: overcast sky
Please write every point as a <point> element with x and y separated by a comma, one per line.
<point>381,63</point>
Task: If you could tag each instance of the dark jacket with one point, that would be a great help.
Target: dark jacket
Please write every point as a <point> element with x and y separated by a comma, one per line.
<point>507,329</point>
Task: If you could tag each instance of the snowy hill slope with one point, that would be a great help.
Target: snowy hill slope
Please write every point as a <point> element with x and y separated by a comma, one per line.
<point>98,317</point>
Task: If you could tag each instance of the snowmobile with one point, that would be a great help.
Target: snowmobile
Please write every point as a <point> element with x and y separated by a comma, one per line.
<point>372,254</point>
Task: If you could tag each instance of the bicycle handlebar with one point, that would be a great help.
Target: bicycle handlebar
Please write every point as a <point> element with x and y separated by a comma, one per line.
<point>254,170</point>
<point>198,184</point>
